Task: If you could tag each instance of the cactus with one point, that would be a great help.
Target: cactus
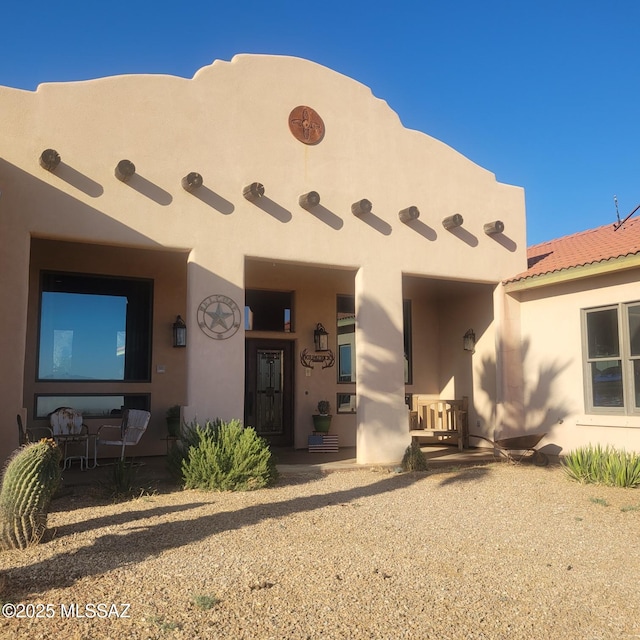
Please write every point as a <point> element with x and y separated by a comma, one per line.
<point>30,479</point>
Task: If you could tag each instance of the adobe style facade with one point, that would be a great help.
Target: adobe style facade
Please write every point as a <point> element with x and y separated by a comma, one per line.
<point>99,257</point>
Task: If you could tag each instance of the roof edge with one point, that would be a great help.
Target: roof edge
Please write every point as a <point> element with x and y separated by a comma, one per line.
<point>569,274</point>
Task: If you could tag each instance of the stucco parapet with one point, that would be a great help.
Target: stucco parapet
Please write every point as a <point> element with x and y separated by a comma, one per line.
<point>230,124</point>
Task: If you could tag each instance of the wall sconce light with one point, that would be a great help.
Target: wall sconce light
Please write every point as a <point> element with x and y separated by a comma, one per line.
<point>179,333</point>
<point>451,222</point>
<point>321,343</point>
<point>361,207</point>
<point>320,338</point>
<point>124,170</point>
<point>192,181</point>
<point>469,341</point>
<point>409,214</point>
<point>253,191</point>
<point>491,228</point>
<point>309,200</point>
<point>49,159</point>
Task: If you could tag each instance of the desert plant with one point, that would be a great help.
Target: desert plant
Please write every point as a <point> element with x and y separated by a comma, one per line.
<point>205,602</point>
<point>579,464</point>
<point>173,420</point>
<point>187,438</point>
<point>598,465</point>
<point>123,479</point>
<point>31,477</point>
<point>324,408</point>
<point>173,411</point>
<point>414,459</point>
<point>225,456</point>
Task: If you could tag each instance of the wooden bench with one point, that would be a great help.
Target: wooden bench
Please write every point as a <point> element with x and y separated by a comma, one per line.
<point>439,420</point>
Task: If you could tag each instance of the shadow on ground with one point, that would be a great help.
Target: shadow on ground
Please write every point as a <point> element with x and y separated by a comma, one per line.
<point>113,550</point>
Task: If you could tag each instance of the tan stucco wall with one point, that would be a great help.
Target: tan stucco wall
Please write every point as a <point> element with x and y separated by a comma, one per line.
<point>551,389</point>
<point>230,123</point>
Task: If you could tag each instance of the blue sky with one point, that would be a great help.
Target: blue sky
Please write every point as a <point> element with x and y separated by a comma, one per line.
<point>544,94</point>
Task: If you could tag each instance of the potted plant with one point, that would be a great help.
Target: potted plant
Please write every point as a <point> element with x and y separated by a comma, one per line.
<point>173,420</point>
<point>322,420</point>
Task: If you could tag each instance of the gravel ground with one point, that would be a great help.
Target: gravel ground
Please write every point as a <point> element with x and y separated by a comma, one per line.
<point>495,551</point>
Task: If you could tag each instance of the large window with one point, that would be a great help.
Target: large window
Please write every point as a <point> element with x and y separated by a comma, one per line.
<point>612,358</point>
<point>94,328</point>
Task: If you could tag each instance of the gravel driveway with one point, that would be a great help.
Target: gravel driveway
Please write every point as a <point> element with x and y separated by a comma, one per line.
<point>494,551</point>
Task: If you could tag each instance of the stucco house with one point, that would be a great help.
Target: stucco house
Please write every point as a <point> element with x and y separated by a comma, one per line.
<point>265,201</point>
<point>572,348</point>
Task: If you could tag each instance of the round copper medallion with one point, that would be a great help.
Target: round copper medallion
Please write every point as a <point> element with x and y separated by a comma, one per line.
<point>306,125</point>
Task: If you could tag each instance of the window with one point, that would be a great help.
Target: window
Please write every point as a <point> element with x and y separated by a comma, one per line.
<point>612,362</point>
<point>94,328</point>
<point>346,330</point>
<point>346,327</point>
<point>92,406</point>
<point>406,332</point>
<point>346,402</point>
<point>267,310</point>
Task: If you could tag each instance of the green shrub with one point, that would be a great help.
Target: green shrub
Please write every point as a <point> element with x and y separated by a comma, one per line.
<point>608,466</point>
<point>414,459</point>
<point>225,456</point>
<point>205,602</point>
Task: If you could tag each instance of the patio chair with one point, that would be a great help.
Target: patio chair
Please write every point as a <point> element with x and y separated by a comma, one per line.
<point>69,430</point>
<point>22,434</point>
<point>134,424</point>
<point>25,436</point>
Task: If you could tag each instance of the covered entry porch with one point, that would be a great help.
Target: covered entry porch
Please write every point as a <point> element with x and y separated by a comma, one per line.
<point>286,302</point>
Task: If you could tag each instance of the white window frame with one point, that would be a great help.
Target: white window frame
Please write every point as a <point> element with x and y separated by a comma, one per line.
<point>626,362</point>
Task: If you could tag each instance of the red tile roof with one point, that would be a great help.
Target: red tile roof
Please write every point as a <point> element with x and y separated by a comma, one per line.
<point>579,249</point>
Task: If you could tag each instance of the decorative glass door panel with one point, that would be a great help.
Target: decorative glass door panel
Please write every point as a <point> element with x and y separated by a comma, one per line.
<point>269,409</point>
<point>268,395</point>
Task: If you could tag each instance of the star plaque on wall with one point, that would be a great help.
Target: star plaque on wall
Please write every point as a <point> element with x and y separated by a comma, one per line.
<point>218,317</point>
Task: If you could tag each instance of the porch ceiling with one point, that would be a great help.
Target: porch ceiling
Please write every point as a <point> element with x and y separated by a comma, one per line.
<point>438,288</point>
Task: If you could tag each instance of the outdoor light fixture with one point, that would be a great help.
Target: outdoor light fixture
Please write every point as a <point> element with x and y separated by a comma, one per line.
<point>469,341</point>
<point>321,344</point>
<point>124,170</point>
<point>49,159</point>
<point>408,214</point>
<point>192,181</point>
<point>451,222</point>
<point>321,338</point>
<point>361,207</point>
<point>253,191</point>
<point>179,333</point>
<point>491,228</point>
<point>309,200</point>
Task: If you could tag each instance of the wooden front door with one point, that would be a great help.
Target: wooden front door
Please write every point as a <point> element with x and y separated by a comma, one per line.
<point>268,395</point>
